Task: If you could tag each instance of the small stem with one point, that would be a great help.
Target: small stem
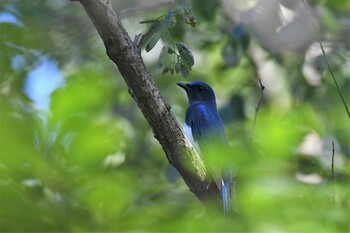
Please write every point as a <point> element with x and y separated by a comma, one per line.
<point>257,108</point>
<point>173,44</point>
<point>333,176</point>
<point>326,60</point>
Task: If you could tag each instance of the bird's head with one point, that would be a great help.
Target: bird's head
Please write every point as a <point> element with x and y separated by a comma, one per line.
<point>198,92</point>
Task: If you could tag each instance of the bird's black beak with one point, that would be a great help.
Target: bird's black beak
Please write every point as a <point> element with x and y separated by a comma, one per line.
<point>184,86</point>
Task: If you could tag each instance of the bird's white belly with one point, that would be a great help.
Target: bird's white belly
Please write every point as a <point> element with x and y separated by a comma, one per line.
<point>188,133</point>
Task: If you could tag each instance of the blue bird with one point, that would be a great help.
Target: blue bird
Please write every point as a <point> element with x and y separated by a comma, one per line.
<point>204,128</point>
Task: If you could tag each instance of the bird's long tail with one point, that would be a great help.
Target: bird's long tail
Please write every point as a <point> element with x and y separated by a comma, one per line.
<point>226,193</point>
<point>227,185</point>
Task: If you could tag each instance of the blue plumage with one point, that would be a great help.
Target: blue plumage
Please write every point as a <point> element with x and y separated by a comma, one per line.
<point>204,122</point>
<point>204,126</point>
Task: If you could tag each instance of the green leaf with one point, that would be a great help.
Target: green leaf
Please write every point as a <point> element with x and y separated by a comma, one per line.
<point>152,42</point>
<point>185,55</point>
<point>184,71</point>
<point>163,53</point>
<point>156,28</point>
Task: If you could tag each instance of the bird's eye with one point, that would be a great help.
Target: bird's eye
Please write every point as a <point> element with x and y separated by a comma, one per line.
<point>200,88</point>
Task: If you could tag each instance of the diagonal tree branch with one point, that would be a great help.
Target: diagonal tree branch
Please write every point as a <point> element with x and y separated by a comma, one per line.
<point>142,88</point>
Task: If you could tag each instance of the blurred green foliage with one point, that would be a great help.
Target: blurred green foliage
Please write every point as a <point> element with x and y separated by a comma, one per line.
<point>90,162</point>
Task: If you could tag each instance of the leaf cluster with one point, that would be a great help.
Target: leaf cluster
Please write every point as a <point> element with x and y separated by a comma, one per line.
<point>175,57</point>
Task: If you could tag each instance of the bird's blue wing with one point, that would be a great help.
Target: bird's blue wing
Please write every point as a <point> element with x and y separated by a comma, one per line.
<point>205,124</point>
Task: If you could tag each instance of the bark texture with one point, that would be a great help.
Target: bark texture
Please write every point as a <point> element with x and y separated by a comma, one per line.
<point>121,50</point>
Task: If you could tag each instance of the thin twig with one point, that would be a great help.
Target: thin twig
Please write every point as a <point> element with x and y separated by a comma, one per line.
<point>326,60</point>
<point>257,108</point>
<point>333,176</point>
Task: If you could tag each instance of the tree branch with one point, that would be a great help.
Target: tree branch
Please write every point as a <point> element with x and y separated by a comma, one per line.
<point>142,88</point>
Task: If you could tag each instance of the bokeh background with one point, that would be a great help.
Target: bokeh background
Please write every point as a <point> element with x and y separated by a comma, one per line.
<point>77,154</point>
